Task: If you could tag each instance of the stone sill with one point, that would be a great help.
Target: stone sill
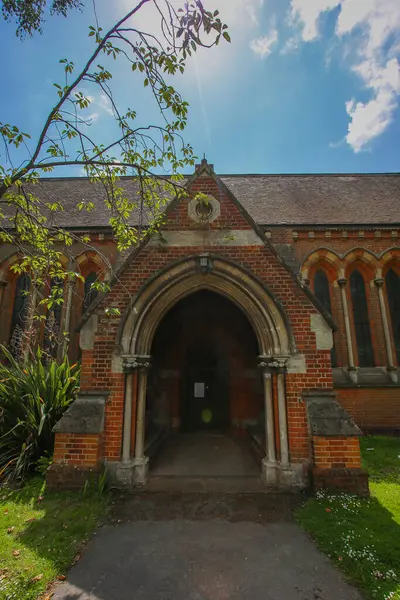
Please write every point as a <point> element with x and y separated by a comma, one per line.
<point>366,377</point>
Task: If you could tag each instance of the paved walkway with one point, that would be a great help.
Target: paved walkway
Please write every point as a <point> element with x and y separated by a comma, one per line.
<point>205,462</point>
<point>238,556</point>
<point>204,454</point>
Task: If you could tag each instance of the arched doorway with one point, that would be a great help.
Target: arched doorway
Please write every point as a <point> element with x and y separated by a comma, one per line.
<point>146,398</point>
<point>204,372</point>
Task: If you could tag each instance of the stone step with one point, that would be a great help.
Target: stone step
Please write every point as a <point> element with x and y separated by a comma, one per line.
<point>205,484</point>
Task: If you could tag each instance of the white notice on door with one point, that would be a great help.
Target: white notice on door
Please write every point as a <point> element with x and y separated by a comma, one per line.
<point>199,389</point>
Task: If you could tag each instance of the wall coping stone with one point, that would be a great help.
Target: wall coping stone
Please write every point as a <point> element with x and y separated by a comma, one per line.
<point>85,415</point>
<point>327,417</point>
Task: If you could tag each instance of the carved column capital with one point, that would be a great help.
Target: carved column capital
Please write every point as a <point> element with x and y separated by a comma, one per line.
<point>379,281</point>
<point>273,364</point>
<point>342,281</point>
<point>305,281</point>
<point>136,363</point>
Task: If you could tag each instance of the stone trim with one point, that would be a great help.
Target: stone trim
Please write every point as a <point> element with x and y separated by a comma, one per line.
<point>135,362</point>
<point>327,418</point>
<point>227,278</point>
<point>323,333</point>
<point>84,416</point>
<point>201,238</point>
<point>379,282</point>
<point>275,364</point>
<point>367,377</point>
<point>196,217</point>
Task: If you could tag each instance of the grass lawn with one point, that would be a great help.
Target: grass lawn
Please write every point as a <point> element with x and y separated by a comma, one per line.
<point>362,536</point>
<point>40,535</point>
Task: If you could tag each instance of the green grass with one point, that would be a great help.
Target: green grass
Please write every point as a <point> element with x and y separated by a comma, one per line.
<point>40,535</point>
<point>362,536</point>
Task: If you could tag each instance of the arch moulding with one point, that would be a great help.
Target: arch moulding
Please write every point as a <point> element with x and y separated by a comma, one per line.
<point>162,292</point>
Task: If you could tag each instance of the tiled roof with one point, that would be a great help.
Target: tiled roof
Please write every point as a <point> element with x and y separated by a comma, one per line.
<point>318,199</point>
<point>269,199</point>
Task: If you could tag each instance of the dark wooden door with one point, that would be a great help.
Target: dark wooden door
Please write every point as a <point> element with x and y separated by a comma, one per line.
<point>205,398</point>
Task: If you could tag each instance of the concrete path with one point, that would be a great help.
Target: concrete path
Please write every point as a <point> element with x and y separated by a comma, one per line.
<point>204,454</point>
<point>240,556</point>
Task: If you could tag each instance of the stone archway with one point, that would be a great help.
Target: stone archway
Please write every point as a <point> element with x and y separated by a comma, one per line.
<point>214,273</point>
<point>266,316</point>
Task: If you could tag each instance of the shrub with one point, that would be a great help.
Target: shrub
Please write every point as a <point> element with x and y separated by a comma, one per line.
<point>33,397</point>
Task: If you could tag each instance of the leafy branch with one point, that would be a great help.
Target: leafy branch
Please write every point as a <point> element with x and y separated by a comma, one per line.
<point>142,151</point>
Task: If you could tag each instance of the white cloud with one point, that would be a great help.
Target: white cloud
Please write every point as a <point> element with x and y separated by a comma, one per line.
<point>375,60</point>
<point>243,17</point>
<point>291,45</point>
<point>370,119</point>
<point>92,118</point>
<point>235,13</point>
<point>105,103</point>
<point>262,46</point>
<point>308,12</point>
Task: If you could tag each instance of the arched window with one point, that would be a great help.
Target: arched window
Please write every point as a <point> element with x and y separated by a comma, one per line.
<point>393,294</point>
<point>20,302</point>
<point>361,320</point>
<point>89,293</point>
<point>53,319</point>
<point>322,293</point>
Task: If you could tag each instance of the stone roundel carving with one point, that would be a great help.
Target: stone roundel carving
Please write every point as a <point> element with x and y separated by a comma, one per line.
<point>204,212</point>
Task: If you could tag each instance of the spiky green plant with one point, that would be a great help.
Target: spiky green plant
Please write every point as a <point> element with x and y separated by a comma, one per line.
<point>33,397</point>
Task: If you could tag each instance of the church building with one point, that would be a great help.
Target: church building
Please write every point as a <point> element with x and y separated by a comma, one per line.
<point>257,337</point>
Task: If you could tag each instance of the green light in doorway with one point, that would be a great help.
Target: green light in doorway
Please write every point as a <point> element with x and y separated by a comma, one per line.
<point>206,415</point>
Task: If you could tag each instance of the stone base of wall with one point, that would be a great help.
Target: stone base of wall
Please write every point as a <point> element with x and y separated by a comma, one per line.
<point>291,477</point>
<point>70,477</point>
<point>351,481</point>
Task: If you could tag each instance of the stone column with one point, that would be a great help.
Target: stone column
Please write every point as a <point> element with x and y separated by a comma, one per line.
<point>379,281</point>
<point>342,281</point>
<point>283,429</point>
<point>134,411</point>
<point>67,316</point>
<point>126,439</point>
<point>269,464</point>
<point>141,462</point>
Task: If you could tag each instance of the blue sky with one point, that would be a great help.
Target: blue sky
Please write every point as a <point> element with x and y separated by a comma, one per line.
<point>306,85</point>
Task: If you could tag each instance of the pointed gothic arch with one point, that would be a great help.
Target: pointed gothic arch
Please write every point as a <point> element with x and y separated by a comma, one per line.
<point>214,273</point>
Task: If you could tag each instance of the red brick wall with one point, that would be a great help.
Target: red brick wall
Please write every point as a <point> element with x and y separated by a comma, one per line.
<point>304,246</point>
<point>86,262</point>
<point>372,408</point>
<point>230,215</point>
<point>336,241</point>
<point>337,465</point>
<point>336,452</point>
<point>259,260</point>
<point>78,449</point>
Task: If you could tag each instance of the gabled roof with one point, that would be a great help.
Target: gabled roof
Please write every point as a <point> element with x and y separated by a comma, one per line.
<point>270,200</point>
<point>205,169</point>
